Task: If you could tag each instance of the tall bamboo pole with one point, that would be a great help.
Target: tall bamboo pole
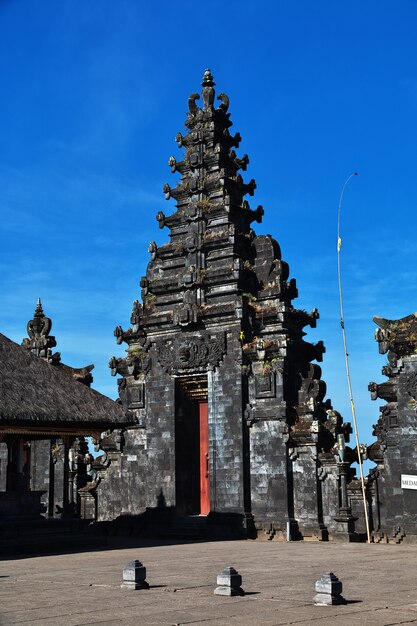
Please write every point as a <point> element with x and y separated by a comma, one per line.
<point>342,324</point>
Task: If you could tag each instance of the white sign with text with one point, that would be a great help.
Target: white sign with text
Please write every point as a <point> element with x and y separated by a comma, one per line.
<point>408,481</point>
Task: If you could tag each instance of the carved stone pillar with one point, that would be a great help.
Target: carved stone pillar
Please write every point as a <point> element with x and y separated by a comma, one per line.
<point>345,529</point>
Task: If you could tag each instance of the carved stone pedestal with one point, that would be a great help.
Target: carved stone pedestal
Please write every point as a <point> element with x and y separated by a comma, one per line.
<point>229,581</point>
<point>134,576</point>
<point>345,529</point>
<point>329,589</point>
<point>88,502</point>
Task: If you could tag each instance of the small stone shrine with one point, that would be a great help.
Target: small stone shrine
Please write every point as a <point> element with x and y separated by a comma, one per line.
<point>227,407</point>
<point>392,484</point>
<point>40,343</point>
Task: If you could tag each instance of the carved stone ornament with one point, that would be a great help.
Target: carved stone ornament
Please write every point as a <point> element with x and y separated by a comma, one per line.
<point>56,452</point>
<point>411,386</point>
<point>186,354</point>
<point>134,364</point>
<point>399,336</point>
<point>311,392</point>
<point>40,341</point>
<point>322,473</point>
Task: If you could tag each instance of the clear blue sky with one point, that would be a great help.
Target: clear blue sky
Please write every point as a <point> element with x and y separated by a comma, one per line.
<point>93,94</point>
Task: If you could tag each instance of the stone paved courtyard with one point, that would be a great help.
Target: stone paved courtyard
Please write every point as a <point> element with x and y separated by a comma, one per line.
<point>379,583</point>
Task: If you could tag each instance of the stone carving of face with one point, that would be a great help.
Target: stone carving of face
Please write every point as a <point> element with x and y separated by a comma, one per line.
<point>184,354</point>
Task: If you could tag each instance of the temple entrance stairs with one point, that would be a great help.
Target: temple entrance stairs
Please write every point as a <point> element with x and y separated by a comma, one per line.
<point>166,525</point>
<point>38,535</point>
<point>190,527</point>
<point>213,526</point>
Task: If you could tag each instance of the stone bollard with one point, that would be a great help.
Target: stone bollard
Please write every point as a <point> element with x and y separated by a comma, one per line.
<point>329,589</point>
<point>229,581</point>
<point>134,575</point>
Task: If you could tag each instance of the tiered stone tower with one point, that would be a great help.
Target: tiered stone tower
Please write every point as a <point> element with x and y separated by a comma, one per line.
<point>228,410</point>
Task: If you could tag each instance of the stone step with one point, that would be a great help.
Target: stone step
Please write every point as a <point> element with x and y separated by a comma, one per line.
<point>49,544</point>
<point>193,527</point>
<point>33,536</point>
<point>197,527</point>
<point>42,526</point>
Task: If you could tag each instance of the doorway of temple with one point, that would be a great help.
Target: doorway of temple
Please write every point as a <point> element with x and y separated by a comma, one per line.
<point>192,451</point>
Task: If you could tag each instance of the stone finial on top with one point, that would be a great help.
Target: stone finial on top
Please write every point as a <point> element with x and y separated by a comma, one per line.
<point>208,92</point>
<point>208,79</point>
<point>207,95</point>
<point>40,324</point>
<point>39,310</point>
<point>40,341</point>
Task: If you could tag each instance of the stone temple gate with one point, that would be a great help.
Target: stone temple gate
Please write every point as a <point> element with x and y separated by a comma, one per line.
<point>227,409</point>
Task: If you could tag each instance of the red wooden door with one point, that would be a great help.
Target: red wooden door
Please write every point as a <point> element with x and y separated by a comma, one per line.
<point>204,460</point>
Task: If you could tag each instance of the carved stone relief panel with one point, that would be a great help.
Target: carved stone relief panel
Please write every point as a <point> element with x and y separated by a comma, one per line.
<point>191,353</point>
<point>136,396</point>
<point>265,385</point>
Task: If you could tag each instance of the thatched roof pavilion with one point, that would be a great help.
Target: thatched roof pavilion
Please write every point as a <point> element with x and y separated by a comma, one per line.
<point>38,398</point>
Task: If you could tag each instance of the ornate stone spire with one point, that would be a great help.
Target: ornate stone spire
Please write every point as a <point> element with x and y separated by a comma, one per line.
<point>39,310</point>
<point>40,341</point>
<point>210,178</point>
<point>216,272</point>
<point>217,323</point>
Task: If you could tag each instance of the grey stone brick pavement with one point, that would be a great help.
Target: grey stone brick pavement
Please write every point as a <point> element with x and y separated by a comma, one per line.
<point>379,583</point>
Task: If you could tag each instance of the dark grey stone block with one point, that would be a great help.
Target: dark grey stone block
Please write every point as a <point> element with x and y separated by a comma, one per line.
<point>134,575</point>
